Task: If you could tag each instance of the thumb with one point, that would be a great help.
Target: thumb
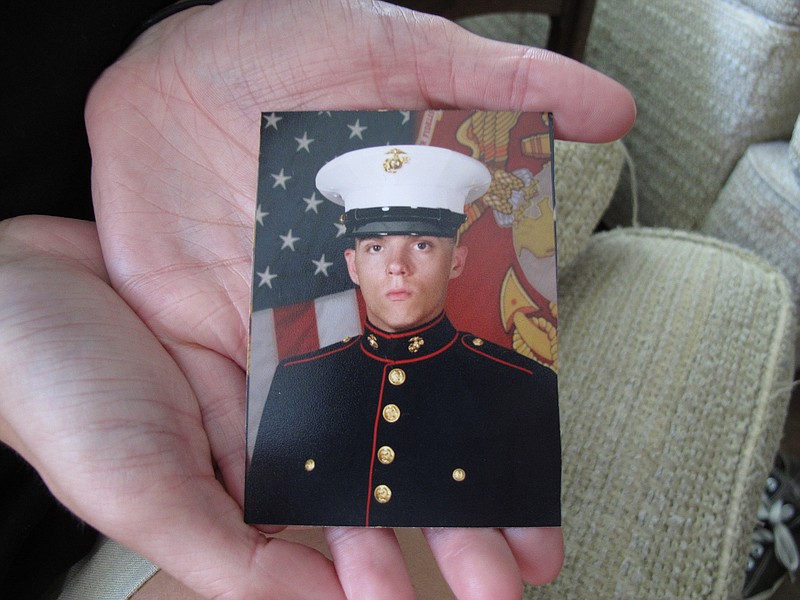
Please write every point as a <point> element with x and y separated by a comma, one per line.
<point>201,541</point>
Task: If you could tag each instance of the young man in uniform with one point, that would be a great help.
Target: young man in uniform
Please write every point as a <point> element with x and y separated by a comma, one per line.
<point>413,423</point>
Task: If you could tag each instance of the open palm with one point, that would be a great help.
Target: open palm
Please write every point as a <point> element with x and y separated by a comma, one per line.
<point>153,385</point>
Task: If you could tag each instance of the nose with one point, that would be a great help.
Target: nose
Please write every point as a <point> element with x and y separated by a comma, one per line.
<point>398,262</point>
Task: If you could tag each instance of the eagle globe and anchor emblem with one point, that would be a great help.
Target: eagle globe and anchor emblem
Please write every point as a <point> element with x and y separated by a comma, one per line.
<point>396,161</point>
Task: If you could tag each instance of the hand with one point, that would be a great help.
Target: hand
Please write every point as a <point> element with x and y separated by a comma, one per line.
<point>127,407</point>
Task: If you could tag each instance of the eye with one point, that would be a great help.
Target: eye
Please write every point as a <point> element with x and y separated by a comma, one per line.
<point>374,248</point>
<point>423,245</point>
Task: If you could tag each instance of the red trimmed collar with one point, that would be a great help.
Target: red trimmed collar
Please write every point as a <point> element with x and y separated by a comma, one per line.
<point>412,344</point>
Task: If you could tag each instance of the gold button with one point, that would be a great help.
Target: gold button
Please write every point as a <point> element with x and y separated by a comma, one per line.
<point>477,342</point>
<point>397,376</point>
<point>386,455</point>
<point>391,412</point>
<point>383,494</point>
<point>459,474</point>
<point>347,339</point>
<point>310,464</point>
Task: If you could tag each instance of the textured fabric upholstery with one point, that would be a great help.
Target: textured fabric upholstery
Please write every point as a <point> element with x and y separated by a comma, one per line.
<point>585,178</point>
<point>516,28</point>
<point>759,209</point>
<point>794,149</point>
<point>677,362</point>
<point>710,77</point>
<point>677,349</point>
<point>780,11</point>
<point>109,572</point>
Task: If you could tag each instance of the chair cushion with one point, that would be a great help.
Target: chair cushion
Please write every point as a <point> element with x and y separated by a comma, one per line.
<point>674,381</point>
<point>786,12</point>
<point>585,178</point>
<point>759,209</point>
<point>526,28</point>
<point>710,78</point>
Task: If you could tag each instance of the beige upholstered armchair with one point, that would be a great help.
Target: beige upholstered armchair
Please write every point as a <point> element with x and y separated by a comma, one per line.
<point>677,335</point>
<point>717,84</point>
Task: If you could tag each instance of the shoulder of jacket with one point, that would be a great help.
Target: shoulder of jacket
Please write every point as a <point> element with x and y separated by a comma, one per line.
<point>332,350</point>
<point>497,353</point>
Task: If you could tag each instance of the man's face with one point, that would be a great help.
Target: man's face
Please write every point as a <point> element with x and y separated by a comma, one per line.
<point>404,278</point>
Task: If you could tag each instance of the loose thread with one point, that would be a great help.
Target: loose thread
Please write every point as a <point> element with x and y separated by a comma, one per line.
<point>634,187</point>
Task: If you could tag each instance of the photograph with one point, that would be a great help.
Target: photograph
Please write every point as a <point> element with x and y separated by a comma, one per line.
<point>403,339</point>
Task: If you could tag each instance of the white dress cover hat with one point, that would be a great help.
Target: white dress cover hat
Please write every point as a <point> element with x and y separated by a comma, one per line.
<point>403,190</point>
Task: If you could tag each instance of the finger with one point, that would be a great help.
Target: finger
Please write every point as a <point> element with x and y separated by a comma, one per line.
<point>69,239</point>
<point>454,68</point>
<point>369,563</point>
<point>539,552</point>
<point>407,60</point>
<point>476,563</point>
<point>219,385</point>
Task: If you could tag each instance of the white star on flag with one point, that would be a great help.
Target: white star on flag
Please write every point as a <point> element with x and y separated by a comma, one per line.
<point>356,130</point>
<point>341,229</point>
<point>303,143</point>
<point>312,203</point>
<point>322,266</point>
<point>406,116</point>
<point>260,214</point>
<point>288,240</point>
<point>266,278</point>
<point>272,121</point>
<point>280,179</point>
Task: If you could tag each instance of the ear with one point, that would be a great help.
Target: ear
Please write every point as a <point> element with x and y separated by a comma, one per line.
<point>459,260</point>
<point>350,258</point>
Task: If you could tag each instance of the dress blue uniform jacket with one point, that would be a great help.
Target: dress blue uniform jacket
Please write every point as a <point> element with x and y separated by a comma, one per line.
<point>429,427</point>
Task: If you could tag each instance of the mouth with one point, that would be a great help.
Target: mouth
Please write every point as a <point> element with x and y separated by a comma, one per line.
<point>398,294</point>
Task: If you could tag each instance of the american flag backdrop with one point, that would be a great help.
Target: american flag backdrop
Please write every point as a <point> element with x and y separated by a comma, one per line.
<point>303,298</point>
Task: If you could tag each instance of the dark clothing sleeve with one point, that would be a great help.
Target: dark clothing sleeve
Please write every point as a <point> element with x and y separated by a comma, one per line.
<point>51,53</point>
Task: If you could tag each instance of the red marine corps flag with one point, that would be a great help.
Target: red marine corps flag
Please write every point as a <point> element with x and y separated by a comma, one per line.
<point>508,289</point>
